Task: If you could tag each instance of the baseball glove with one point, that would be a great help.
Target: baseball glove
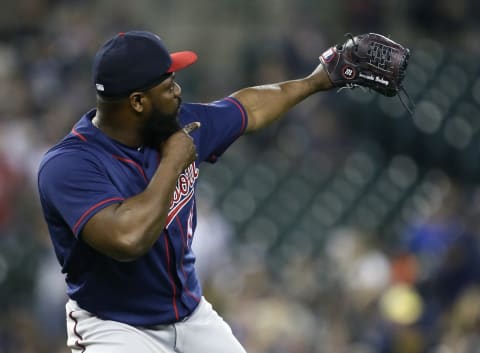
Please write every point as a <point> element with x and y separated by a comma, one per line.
<point>369,60</point>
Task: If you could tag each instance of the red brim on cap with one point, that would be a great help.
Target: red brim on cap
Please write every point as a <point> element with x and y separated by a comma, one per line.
<point>181,60</point>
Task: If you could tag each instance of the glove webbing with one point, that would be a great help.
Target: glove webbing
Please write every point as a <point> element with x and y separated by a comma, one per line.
<point>380,55</point>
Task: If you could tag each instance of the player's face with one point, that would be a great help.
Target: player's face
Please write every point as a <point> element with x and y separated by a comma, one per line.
<point>162,121</point>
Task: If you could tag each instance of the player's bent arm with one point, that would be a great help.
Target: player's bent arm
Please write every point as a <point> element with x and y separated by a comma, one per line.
<point>127,230</point>
<point>265,104</point>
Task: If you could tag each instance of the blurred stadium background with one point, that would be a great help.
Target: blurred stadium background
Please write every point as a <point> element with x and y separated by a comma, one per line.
<point>350,226</point>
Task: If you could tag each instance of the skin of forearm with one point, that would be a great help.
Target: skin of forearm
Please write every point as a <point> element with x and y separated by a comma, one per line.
<point>266,103</point>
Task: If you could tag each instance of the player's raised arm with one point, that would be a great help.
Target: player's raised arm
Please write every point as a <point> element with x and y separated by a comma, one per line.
<point>266,103</point>
<point>369,60</point>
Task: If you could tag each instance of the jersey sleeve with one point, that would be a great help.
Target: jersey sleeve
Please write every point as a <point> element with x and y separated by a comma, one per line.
<point>73,187</point>
<point>222,122</point>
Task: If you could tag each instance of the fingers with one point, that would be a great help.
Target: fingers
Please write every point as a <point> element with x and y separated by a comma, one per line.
<point>191,127</point>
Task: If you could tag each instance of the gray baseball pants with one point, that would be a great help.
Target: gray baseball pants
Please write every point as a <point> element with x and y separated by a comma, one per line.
<point>202,332</point>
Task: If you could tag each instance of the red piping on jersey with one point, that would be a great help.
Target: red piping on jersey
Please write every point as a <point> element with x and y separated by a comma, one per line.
<point>77,342</point>
<point>87,212</point>
<point>126,160</point>
<point>174,211</point>
<point>170,278</point>
<point>184,240</point>
<point>244,118</point>
<point>79,135</point>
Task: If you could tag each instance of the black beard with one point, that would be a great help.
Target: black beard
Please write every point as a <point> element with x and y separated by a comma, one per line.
<point>159,127</point>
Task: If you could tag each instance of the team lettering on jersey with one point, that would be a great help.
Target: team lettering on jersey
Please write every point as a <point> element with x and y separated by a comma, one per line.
<point>183,191</point>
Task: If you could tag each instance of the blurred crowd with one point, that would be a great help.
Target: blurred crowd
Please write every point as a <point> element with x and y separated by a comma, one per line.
<point>322,283</point>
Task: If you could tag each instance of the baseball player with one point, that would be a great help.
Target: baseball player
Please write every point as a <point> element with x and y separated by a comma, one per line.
<point>118,195</point>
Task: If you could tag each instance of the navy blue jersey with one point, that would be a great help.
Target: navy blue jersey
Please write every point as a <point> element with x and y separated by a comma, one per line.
<point>88,171</point>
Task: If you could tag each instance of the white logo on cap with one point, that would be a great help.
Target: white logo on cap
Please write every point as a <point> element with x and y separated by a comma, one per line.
<point>100,87</point>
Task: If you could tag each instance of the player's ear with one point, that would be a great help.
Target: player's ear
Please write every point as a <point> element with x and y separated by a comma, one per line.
<point>137,101</point>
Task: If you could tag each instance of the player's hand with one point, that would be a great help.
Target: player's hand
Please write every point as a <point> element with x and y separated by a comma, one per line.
<point>179,148</point>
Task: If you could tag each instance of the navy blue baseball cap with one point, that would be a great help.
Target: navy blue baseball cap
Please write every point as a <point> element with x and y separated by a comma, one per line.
<point>135,60</point>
